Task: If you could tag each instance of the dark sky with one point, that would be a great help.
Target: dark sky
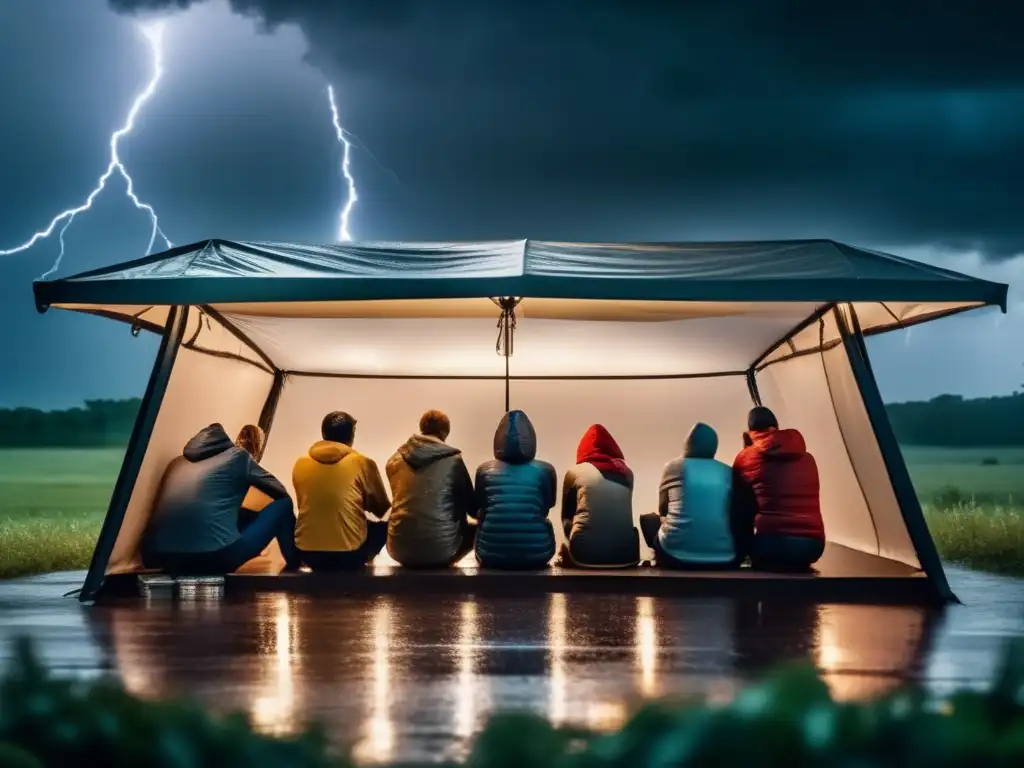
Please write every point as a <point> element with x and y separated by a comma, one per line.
<point>891,125</point>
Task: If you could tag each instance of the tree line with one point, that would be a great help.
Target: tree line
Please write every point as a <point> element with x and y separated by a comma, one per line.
<point>947,420</point>
<point>955,422</point>
<point>100,423</point>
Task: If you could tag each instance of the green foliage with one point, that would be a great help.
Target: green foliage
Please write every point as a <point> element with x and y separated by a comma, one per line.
<point>985,537</point>
<point>100,423</point>
<point>62,723</point>
<point>787,721</point>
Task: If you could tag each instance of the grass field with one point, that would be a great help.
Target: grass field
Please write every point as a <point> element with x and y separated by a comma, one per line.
<point>52,504</point>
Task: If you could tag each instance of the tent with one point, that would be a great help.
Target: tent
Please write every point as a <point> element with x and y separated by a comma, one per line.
<point>644,338</point>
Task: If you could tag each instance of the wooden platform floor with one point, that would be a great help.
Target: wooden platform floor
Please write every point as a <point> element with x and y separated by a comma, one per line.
<point>842,575</point>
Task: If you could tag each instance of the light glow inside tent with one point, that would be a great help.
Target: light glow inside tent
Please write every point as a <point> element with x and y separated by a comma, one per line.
<point>645,339</point>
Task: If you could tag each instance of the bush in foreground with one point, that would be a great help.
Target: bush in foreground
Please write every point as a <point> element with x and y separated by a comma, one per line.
<point>984,537</point>
<point>788,720</point>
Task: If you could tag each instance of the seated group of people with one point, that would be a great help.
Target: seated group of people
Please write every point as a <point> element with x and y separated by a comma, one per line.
<point>217,508</point>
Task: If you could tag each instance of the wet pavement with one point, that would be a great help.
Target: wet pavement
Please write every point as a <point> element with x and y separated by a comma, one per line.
<point>414,678</point>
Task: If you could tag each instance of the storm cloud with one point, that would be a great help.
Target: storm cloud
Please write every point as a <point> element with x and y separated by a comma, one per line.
<point>893,122</point>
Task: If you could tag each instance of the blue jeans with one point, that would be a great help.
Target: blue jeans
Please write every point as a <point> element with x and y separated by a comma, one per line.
<point>274,521</point>
<point>376,537</point>
<point>775,552</point>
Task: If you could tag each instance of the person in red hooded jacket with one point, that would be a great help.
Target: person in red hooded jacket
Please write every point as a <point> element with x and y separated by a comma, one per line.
<point>597,505</point>
<point>776,512</point>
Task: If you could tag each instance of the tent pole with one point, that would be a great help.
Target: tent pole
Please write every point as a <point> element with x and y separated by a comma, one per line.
<point>755,393</point>
<point>507,398</point>
<point>892,457</point>
<point>270,408</point>
<point>506,327</point>
<point>142,431</point>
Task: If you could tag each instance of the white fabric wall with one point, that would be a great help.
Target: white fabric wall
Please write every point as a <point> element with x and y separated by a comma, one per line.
<point>432,346</point>
<point>818,395</point>
<point>649,418</point>
<point>202,389</point>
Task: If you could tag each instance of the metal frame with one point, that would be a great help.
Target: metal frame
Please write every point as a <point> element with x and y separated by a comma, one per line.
<point>142,431</point>
<point>851,338</point>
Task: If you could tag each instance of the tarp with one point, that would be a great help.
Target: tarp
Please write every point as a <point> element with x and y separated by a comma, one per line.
<point>219,271</point>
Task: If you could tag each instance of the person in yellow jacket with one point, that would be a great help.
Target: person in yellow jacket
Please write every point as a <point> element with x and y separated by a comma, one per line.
<point>335,488</point>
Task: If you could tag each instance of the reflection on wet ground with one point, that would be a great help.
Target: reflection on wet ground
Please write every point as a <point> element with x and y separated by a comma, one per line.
<point>401,678</point>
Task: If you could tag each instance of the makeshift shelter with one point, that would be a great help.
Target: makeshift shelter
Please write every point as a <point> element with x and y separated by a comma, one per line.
<point>643,338</point>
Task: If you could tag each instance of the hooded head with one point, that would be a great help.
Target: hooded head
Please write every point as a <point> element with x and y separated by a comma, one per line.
<point>599,449</point>
<point>701,443</point>
<point>209,442</point>
<point>515,440</point>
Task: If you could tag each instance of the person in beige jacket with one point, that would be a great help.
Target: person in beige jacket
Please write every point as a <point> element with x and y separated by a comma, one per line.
<point>432,499</point>
<point>336,487</point>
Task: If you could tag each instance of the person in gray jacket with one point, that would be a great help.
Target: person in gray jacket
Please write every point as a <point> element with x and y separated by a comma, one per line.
<point>691,528</point>
<point>515,493</point>
<point>193,528</point>
<point>597,505</point>
<point>432,499</point>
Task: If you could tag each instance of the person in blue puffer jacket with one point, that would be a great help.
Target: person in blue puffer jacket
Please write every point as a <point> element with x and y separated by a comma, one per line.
<point>692,528</point>
<point>515,493</point>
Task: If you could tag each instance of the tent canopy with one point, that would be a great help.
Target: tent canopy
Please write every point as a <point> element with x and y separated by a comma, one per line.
<point>706,308</point>
<point>644,338</point>
<point>217,271</point>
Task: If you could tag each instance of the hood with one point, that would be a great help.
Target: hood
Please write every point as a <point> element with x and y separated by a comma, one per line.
<point>209,442</point>
<point>701,443</point>
<point>422,450</point>
<point>329,452</point>
<point>515,440</point>
<point>599,449</point>
<point>782,443</point>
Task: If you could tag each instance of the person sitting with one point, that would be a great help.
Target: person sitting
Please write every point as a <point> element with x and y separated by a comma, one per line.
<point>514,493</point>
<point>194,525</point>
<point>597,505</point>
<point>335,488</point>
<point>432,499</point>
<point>776,507</point>
<point>691,528</point>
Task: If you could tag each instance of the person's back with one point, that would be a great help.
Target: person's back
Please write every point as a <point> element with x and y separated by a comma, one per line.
<point>431,498</point>
<point>777,481</point>
<point>194,521</point>
<point>515,493</point>
<point>695,495</point>
<point>597,504</point>
<point>335,486</point>
<point>199,498</point>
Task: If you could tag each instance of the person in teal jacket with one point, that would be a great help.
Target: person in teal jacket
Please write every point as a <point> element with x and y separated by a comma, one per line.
<point>515,492</point>
<point>692,527</point>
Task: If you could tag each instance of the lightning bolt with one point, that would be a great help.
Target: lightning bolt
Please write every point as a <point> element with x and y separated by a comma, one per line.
<point>346,169</point>
<point>154,34</point>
